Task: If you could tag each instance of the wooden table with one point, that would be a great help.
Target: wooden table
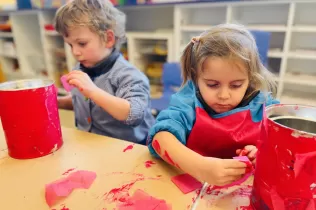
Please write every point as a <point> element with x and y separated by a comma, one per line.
<point>22,182</point>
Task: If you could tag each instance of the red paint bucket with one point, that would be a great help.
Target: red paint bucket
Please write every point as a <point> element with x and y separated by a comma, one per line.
<point>285,176</point>
<point>30,120</point>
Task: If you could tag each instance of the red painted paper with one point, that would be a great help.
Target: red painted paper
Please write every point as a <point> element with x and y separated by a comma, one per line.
<point>143,201</point>
<point>63,187</point>
<point>186,183</point>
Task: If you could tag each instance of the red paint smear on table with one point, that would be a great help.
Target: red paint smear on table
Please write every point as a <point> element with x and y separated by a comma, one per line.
<point>143,201</point>
<point>149,163</point>
<point>140,200</point>
<point>129,147</point>
<point>186,183</point>
<point>61,188</point>
<point>68,171</point>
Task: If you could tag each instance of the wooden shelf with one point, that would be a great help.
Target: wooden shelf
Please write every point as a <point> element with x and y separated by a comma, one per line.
<point>6,35</point>
<point>52,33</point>
<point>303,54</point>
<point>8,56</point>
<point>270,28</point>
<point>275,53</point>
<point>304,28</point>
<point>195,28</point>
<point>300,79</point>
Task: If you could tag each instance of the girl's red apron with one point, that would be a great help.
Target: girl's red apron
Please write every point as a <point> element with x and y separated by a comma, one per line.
<point>221,137</point>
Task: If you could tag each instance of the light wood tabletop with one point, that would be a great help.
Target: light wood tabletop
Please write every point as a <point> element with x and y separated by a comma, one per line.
<point>22,182</point>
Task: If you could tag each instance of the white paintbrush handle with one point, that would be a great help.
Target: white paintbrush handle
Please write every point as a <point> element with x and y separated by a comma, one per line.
<point>195,204</point>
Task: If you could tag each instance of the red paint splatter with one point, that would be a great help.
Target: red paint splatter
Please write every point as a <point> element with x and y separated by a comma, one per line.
<point>89,120</point>
<point>244,208</point>
<point>122,193</point>
<point>68,171</point>
<point>64,208</point>
<point>156,146</point>
<point>168,158</point>
<point>243,191</point>
<point>129,147</point>
<point>149,163</point>
<point>124,201</point>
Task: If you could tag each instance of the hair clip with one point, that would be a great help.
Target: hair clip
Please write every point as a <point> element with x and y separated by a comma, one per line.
<point>195,39</point>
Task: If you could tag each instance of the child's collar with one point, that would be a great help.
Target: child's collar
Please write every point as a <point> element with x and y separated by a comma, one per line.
<point>102,67</point>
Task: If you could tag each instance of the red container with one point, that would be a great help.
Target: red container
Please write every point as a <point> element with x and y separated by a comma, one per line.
<point>30,120</point>
<point>285,176</point>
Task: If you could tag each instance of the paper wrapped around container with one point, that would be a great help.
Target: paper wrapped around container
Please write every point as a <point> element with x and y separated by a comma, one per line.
<point>30,120</point>
<point>285,173</point>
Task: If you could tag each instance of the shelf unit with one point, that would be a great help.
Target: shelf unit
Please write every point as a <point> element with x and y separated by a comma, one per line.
<point>8,52</point>
<point>292,54</point>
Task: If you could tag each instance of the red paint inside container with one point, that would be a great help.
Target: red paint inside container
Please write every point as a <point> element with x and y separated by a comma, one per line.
<point>30,119</point>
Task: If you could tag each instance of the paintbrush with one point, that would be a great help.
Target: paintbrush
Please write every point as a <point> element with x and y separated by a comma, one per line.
<point>195,204</point>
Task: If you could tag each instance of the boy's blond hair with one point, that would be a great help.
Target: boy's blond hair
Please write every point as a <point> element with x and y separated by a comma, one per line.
<point>228,41</point>
<point>98,15</point>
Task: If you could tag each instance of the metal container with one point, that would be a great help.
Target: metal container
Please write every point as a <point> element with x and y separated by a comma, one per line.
<point>30,120</point>
<point>285,173</point>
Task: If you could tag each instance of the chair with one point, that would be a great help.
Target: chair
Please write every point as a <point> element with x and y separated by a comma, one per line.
<point>171,80</point>
<point>263,44</point>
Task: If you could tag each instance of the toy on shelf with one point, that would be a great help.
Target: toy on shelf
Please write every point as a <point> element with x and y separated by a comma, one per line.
<point>2,76</point>
<point>5,26</point>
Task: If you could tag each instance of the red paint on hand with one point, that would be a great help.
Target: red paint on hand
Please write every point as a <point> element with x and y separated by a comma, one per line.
<point>149,163</point>
<point>243,152</point>
<point>156,146</point>
<point>129,147</point>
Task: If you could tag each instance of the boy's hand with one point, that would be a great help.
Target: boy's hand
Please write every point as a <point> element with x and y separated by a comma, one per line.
<point>250,151</point>
<point>81,81</point>
<point>220,172</point>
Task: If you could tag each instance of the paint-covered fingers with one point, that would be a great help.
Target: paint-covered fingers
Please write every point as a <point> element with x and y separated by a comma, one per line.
<point>219,172</point>
<point>252,153</point>
<point>81,81</point>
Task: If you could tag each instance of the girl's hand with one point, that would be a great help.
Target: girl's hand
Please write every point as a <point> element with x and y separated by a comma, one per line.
<point>81,81</point>
<point>220,172</point>
<point>250,151</point>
